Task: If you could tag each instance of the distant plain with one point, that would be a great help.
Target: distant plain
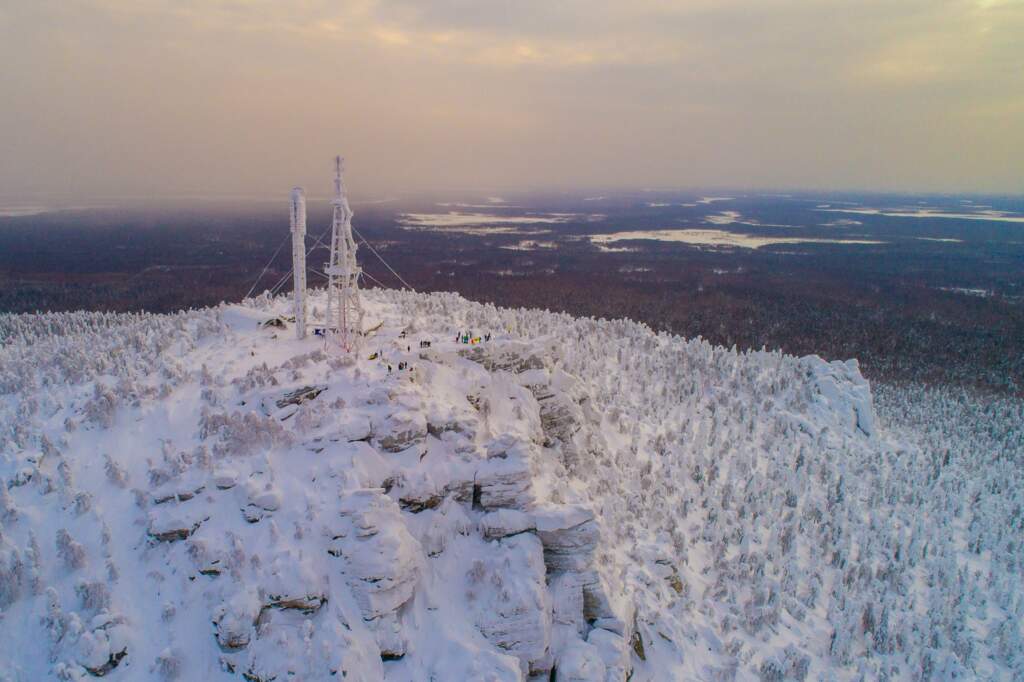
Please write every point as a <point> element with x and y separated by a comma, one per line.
<point>925,289</point>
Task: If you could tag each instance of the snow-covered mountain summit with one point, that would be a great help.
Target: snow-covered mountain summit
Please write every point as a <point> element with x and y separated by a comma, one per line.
<point>200,496</point>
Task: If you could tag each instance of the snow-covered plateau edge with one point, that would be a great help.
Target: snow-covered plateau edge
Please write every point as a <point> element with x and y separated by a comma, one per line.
<point>201,496</point>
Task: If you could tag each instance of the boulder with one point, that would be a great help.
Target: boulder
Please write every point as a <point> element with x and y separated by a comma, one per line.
<point>179,490</point>
<point>506,478</point>
<point>381,560</point>
<point>101,648</point>
<point>570,536</point>
<point>400,430</point>
<point>452,416</point>
<point>605,604</point>
<point>225,478</point>
<point>291,584</point>
<point>290,645</point>
<point>505,522</point>
<point>235,619</point>
<point>253,514</point>
<point>306,603</point>
<point>352,427</point>
<point>173,523</point>
<point>560,417</point>
<point>511,602</point>
<point>387,632</point>
<point>567,601</point>
<point>840,393</point>
<point>212,568</point>
<point>508,410</point>
<point>266,497</point>
<point>418,494</point>
<point>508,356</point>
<point>444,524</point>
<point>300,395</point>
<point>579,661</point>
<point>536,381</point>
<point>614,652</point>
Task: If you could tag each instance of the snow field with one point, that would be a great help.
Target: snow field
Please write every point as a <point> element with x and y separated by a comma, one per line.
<point>196,496</point>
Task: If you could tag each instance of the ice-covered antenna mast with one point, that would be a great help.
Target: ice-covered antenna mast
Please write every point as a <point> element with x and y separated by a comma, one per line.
<point>298,221</point>
<point>344,309</point>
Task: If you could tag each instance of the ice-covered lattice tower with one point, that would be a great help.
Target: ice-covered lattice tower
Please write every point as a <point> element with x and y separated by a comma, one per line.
<point>298,216</point>
<point>344,309</point>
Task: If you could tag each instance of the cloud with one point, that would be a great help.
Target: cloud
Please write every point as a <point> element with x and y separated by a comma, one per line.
<point>243,96</point>
<point>950,44</point>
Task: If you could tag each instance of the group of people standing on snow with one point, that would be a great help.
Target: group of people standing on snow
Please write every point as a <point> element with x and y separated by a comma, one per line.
<point>402,366</point>
<point>469,338</point>
<point>462,337</point>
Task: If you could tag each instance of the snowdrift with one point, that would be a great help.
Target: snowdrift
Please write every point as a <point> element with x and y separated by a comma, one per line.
<point>200,497</point>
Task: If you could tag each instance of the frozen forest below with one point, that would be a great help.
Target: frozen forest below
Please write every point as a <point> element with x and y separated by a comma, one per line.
<point>201,496</point>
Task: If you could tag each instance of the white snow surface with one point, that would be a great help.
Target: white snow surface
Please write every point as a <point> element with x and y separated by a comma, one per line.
<point>915,212</point>
<point>199,497</point>
<point>712,238</point>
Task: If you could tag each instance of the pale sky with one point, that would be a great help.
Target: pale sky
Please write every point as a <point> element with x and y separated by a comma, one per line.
<point>135,98</point>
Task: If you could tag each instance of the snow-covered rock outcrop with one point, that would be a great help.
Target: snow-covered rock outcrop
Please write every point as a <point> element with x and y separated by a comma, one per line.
<point>381,562</point>
<point>198,497</point>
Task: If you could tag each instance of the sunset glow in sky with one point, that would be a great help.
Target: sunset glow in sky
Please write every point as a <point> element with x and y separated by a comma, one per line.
<point>108,98</point>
